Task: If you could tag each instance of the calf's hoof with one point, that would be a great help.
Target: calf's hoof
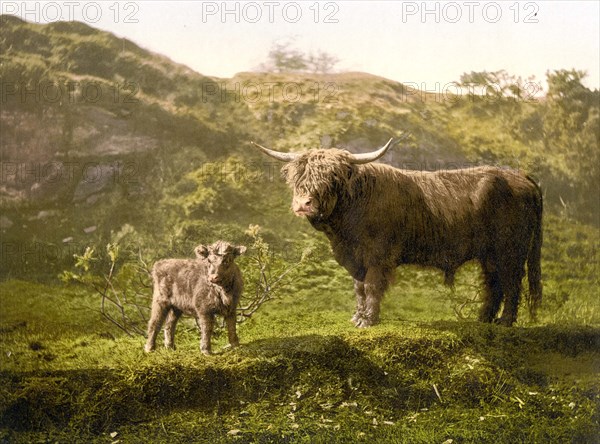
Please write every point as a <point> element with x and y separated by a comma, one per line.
<point>231,346</point>
<point>148,348</point>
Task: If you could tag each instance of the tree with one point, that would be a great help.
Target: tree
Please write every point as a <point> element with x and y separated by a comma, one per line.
<point>322,63</point>
<point>283,57</point>
<point>571,128</point>
<point>496,84</point>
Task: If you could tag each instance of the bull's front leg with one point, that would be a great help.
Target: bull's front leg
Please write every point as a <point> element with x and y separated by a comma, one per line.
<point>230,321</point>
<point>375,285</point>
<point>359,290</point>
<point>205,321</point>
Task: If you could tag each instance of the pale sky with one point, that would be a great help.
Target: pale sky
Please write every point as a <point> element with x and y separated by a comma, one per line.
<point>424,43</point>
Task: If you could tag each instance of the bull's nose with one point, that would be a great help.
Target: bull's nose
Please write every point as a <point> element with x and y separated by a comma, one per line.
<point>302,205</point>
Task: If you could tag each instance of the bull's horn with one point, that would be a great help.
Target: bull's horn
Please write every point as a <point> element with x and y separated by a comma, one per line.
<point>370,157</point>
<point>284,157</point>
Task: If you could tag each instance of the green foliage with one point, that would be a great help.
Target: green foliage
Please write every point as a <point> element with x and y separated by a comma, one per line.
<point>572,133</point>
<point>498,85</point>
<point>121,285</point>
<point>268,275</point>
<point>221,186</point>
<point>556,137</point>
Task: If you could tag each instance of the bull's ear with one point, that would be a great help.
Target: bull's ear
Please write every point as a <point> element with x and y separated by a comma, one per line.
<point>350,169</point>
<point>201,251</point>
<point>285,173</point>
<point>240,249</point>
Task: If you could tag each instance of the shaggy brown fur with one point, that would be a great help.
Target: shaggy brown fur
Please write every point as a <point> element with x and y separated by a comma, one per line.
<point>203,287</point>
<point>378,217</point>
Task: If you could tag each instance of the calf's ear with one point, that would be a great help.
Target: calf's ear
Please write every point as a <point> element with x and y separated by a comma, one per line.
<point>201,251</point>
<point>240,249</point>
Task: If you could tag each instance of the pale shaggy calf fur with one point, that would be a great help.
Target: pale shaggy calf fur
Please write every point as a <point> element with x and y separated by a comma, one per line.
<point>203,287</point>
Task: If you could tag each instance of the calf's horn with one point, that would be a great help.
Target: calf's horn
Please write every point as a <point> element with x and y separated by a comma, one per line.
<point>285,157</point>
<point>370,157</point>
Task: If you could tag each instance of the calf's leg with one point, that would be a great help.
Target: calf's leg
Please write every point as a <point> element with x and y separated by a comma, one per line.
<point>206,322</point>
<point>170,325</point>
<point>231,330</point>
<point>157,317</point>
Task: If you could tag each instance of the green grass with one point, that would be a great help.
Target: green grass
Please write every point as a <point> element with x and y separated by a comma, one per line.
<point>69,377</point>
<point>305,374</point>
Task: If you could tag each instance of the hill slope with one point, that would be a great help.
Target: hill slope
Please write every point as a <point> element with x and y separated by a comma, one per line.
<point>99,134</point>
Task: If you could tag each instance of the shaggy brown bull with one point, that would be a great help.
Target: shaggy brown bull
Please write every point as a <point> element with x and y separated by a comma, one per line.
<point>378,217</point>
<point>203,287</point>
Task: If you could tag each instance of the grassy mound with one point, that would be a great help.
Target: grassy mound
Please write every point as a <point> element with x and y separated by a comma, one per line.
<point>324,381</point>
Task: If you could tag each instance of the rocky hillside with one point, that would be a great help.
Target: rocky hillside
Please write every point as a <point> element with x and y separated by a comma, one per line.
<point>99,134</point>
<point>75,95</point>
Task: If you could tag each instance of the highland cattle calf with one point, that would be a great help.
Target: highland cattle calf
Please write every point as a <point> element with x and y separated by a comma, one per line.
<point>378,217</point>
<point>209,285</point>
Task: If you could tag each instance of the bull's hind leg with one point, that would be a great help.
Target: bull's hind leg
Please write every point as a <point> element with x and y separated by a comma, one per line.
<point>157,317</point>
<point>359,290</point>
<point>493,293</point>
<point>170,325</point>
<point>375,284</point>
<point>511,286</point>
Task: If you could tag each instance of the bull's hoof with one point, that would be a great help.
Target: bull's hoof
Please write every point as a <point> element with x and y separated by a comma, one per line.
<point>355,318</point>
<point>505,322</point>
<point>206,352</point>
<point>365,323</point>
<point>148,348</point>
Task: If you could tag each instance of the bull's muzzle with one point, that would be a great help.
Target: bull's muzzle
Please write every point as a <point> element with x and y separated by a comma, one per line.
<point>303,206</point>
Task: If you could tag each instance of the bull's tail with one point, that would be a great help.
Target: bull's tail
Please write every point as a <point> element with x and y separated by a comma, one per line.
<point>534,269</point>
